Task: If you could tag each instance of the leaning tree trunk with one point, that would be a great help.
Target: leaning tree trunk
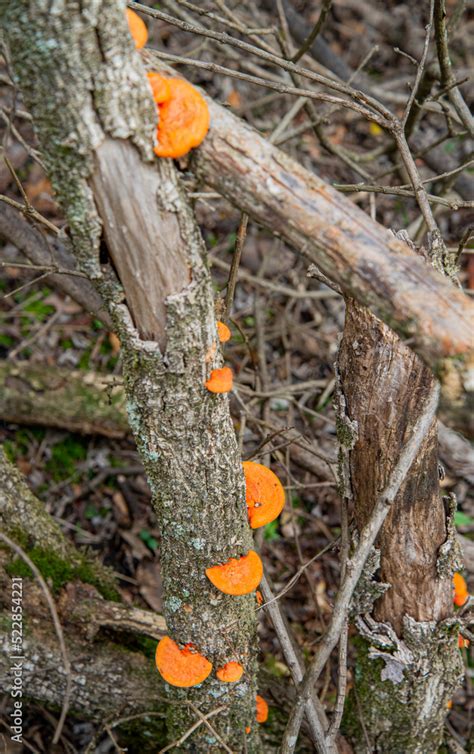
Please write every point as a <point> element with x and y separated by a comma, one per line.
<point>409,664</point>
<point>95,120</point>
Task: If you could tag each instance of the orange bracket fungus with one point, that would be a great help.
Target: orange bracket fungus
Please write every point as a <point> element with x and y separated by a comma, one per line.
<point>264,494</point>
<point>137,28</point>
<point>183,115</point>
<point>220,381</point>
<point>230,672</point>
<point>461,593</point>
<point>223,332</point>
<point>462,642</point>
<point>262,709</point>
<point>238,575</point>
<point>181,667</point>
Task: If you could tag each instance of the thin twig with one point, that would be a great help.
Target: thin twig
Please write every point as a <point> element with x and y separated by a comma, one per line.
<point>313,708</point>
<point>268,83</point>
<point>276,287</point>
<point>30,213</point>
<point>325,8</point>
<point>191,730</point>
<point>280,62</point>
<point>355,566</point>
<point>421,68</point>
<point>295,578</point>
<point>210,727</point>
<point>455,204</point>
<point>447,75</point>
<point>234,268</point>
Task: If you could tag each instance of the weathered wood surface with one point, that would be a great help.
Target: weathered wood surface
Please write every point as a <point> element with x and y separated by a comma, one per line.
<point>85,402</point>
<point>384,386</point>
<point>142,232</point>
<point>362,257</point>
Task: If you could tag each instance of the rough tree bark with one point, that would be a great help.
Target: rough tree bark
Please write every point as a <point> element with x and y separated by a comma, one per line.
<point>111,676</point>
<point>84,85</point>
<point>410,663</point>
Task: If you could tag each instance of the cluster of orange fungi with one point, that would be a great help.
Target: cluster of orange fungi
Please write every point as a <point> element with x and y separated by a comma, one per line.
<point>183,113</point>
<point>183,123</point>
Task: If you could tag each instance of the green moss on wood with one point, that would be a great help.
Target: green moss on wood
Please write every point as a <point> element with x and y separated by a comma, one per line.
<point>58,571</point>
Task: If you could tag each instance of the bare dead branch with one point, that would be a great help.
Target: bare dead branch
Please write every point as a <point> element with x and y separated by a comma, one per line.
<point>447,75</point>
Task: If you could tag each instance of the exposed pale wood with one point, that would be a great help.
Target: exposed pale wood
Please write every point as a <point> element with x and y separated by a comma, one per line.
<point>142,232</point>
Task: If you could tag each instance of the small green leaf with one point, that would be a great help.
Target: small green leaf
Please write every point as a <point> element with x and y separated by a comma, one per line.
<point>462,519</point>
<point>148,539</point>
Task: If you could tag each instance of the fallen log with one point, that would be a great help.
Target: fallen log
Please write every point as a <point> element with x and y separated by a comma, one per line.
<point>92,403</point>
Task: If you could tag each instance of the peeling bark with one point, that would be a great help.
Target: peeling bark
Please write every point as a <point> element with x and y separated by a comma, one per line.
<point>384,386</point>
<point>83,83</point>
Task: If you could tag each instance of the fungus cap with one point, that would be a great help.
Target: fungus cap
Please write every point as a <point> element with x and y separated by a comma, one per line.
<point>230,672</point>
<point>159,86</point>
<point>181,667</point>
<point>137,28</point>
<point>223,332</point>
<point>237,576</point>
<point>461,593</point>
<point>262,709</point>
<point>220,381</point>
<point>264,494</point>
<point>183,117</point>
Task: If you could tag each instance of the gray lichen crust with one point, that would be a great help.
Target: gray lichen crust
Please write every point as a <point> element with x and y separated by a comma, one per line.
<point>368,589</point>
<point>402,686</point>
<point>450,553</point>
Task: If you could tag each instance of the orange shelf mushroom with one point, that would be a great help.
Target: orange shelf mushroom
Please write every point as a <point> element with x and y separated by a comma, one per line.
<point>160,86</point>
<point>220,381</point>
<point>461,593</point>
<point>264,494</point>
<point>262,709</point>
<point>183,116</point>
<point>181,667</point>
<point>230,672</point>
<point>462,642</point>
<point>137,28</point>
<point>237,576</point>
<point>223,332</point>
